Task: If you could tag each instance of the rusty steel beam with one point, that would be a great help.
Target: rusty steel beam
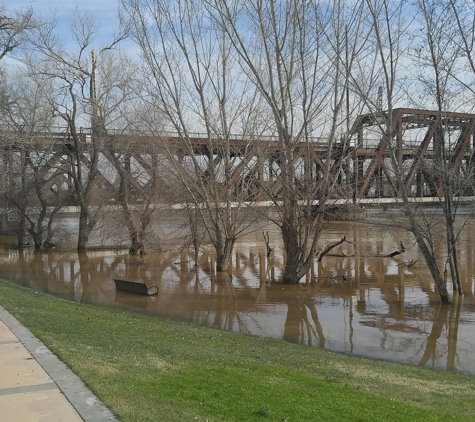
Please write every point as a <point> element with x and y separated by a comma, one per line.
<point>405,118</point>
<point>315,153</point>
<point>463,143</point>
<point>381,151</point>
<point>417,163</point>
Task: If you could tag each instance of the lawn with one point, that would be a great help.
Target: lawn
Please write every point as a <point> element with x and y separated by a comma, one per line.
<point>147,368</point>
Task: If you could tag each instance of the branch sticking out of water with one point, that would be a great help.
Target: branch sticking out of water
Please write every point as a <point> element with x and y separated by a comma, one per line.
<point>400,251</point>
<point>266,240</point>
<point>330,246</point>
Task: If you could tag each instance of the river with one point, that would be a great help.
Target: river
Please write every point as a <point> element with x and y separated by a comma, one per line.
<point>355,300</point>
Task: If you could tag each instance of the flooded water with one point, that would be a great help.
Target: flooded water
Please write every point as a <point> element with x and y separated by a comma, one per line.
<point>355,300</point>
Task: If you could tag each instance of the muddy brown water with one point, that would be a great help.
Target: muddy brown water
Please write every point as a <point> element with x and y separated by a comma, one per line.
<point>355,300</point>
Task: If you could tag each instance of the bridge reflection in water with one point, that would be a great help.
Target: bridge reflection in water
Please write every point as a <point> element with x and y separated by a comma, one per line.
<point>355,301</point>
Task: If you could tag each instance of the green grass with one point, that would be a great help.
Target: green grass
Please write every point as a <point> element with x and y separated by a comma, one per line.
<point>151,369</point>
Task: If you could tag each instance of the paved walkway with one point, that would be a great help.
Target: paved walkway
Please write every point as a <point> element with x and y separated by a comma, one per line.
<point>35,386</point>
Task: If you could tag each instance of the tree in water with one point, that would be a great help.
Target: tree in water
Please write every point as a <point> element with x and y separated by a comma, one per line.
<point>290,51</point>
<point>75,98</point>
<point>191,80</point>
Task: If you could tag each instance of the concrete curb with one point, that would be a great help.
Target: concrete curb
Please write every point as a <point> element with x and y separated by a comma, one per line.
<point>89,407</point>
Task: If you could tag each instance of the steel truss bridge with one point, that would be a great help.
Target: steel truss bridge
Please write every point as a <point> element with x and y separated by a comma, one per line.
<point>359,163</point>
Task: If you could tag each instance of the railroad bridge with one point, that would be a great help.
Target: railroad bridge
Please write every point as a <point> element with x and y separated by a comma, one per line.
<point>359,163</point>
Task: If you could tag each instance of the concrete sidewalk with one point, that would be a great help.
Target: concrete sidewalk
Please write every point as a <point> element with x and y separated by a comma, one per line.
<point>36,386</point>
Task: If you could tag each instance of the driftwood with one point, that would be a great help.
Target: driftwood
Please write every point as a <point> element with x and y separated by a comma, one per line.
<point>412,263</point>
<point>333,245</point>
<point>266,240</point>
<point>399,252</point>
<point>330,246</point>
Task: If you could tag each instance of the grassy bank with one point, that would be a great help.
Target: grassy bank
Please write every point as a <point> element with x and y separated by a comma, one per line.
<point>150,369</point>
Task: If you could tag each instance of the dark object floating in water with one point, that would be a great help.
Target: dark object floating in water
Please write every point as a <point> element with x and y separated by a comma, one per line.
<point>133,287</point>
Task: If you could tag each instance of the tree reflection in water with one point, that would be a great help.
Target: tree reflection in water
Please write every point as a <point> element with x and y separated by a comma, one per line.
<point>298,328</point>
<point>352,301</point>
<point>447,316</point>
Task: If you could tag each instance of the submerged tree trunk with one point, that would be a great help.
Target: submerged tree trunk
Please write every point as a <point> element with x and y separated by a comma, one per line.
<point>452,245</point>
<point>48,243</point>
<point>137,246</point>
<point>195,234</point>
<point>291,272</point>
<point>292,253</point>
<point>20,230</point>
<point>224,252</point>
<point>37,236</point>
<point>85,228</point>
<point>431,263</point>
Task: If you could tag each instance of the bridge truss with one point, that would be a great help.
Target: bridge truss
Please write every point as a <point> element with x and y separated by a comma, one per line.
<point>360,164</point>
<point>424,143</point>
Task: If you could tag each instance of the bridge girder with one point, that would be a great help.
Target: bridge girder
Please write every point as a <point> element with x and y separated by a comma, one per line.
<point>357,169</point>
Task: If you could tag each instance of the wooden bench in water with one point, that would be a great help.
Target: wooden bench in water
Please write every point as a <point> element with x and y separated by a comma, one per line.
<point>133,287</point>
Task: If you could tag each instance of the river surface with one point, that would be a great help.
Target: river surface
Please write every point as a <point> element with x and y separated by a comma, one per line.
<point>355,300</point>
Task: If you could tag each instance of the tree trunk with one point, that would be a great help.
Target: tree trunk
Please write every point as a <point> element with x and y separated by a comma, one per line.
<point>37,233</point>
<point>48,243</point>
<point>21,230</point>
<point>433,267</point>
<point>453,260</point>
<point>37,238</point>
<point>292,254</point>
<point>84,230</point>
<point>195,234</point>
<point>137,246</point>
<point>224,254</point>
<point>291,272</point>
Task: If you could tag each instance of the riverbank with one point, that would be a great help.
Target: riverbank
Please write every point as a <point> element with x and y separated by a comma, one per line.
<point>146,368</point>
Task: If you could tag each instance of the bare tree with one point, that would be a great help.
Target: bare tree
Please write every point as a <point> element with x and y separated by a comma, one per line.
<point>140,187</point>
<point>31,182</point>
<point>390,43</point>
<point>462,72</point>
<point>12,26</point>
<point>440,60</point>
<point>192,81</point>
<point>290,51</point>
<point>77,101</point>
